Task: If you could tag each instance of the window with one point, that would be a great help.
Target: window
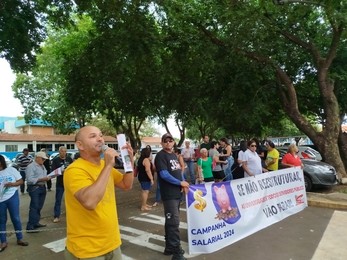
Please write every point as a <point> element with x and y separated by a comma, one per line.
<point>11,148</point>
<point>48,147</point>
<point>114,146</point>
<point>70,146</point>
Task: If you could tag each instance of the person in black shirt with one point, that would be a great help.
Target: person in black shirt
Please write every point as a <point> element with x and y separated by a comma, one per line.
<point>145,176</point>
<point>60,161</point>
<point>206,143</point>
<point>172,184</point>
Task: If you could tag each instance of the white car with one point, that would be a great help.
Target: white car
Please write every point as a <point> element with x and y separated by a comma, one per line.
<point>7,160</point>
<point>69,153</point>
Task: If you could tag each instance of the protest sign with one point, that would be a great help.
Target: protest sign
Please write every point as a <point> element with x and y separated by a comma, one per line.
<point>220,214</point>
<point>128,167</point>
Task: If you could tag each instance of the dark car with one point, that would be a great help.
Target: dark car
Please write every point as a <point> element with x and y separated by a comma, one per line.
<point>316,173</point>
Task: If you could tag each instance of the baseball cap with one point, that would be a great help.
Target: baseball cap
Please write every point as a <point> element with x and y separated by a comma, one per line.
<point>166,136</point>
<point>25,149</point>
<point>41,154</point>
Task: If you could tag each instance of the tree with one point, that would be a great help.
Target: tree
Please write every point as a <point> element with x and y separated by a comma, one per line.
<point>294,41</point>
<point>22,28</point>
<point>43,92</point>
<point>233,66</point>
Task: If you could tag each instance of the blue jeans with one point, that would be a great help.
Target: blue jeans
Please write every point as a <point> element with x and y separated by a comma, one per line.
<point>59,192</point>
<point>172,222</point>
<point>12,205</point>
<point>157,193</point>
<point>227,170</point>
<point>22,186</point>
<point>38,196</point>
<point>191,170</point>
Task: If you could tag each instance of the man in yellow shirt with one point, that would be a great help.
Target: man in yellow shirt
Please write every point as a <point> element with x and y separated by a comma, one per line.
<point>90,201</point>
<point>272,157</point>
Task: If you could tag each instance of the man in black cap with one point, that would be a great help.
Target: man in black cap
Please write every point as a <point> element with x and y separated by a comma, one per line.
<point>172,185</point>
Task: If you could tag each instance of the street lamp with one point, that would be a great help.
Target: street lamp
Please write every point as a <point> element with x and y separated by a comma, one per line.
<point>282,2</point>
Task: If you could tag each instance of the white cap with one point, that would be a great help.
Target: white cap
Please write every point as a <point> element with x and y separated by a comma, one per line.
<point>41,154</point>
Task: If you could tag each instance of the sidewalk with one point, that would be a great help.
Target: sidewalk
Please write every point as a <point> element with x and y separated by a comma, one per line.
<point>332,200</point>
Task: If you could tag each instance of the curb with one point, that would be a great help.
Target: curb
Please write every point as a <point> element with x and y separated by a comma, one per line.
<point>331,201</point>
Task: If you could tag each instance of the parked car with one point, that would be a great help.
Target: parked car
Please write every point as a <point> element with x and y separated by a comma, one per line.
<point>306,152</point>
<point>309,150</point>
<point>74,153</point>
<point>316,173</point>
<point>7,160</point>
<point>69,153</point>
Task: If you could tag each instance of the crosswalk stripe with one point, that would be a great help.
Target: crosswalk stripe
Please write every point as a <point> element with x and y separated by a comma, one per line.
<point>154,219</point>
<point>333,245</point>
<point>56,246</point>
<point>59,246</point>
<point>133,235</point>
<point>142,238</point>
<point>331,239</point>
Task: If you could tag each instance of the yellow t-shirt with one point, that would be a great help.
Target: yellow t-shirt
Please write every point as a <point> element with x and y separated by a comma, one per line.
<point>90,233</point>
<point>273,154</point>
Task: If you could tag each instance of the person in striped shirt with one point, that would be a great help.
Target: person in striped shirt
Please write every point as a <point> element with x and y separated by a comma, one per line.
<point>23,161</point>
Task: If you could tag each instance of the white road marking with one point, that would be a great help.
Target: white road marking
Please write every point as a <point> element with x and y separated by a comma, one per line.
<point>139,237</point>
<point>134,236</point>
<point>59,246</point>
<point>333,245</point>
<point>154,219</point>
<point>56,246</point>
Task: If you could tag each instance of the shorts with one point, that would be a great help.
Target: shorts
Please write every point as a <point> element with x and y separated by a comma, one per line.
<point>145,185</point>
<point>218,175</point>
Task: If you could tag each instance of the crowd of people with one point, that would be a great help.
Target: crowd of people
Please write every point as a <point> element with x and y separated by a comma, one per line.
<point>34,172</point>
<point>215,161</point>
<point>89,184</point>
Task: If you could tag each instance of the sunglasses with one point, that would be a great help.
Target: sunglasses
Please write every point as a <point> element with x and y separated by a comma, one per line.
<point>168,141</point>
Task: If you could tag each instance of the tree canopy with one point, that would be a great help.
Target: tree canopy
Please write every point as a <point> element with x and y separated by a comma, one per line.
<point>236,67</point>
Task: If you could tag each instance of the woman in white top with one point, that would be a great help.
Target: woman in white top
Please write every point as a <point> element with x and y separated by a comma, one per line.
<point>251,162</point>
<point>10,179</point>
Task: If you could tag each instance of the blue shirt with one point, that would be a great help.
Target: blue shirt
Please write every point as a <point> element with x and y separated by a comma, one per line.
<point>35,171</point>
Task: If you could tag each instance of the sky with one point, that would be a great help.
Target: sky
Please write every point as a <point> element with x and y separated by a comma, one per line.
<point>9,105</point>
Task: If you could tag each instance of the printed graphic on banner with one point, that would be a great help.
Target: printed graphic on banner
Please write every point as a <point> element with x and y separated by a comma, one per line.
<point>225,204</point>
<point>220,214</point>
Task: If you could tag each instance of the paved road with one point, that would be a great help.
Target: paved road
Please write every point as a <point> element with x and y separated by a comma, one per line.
<point>315,233</point>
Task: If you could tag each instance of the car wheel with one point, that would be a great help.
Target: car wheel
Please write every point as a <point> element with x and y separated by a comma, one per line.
<point>308,183</point>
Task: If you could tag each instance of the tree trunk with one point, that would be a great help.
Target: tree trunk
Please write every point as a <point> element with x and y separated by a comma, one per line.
<point>343,147</point>
<point>327,140</point>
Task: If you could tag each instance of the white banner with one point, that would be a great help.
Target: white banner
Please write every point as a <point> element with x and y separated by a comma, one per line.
<point>220,214</point>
